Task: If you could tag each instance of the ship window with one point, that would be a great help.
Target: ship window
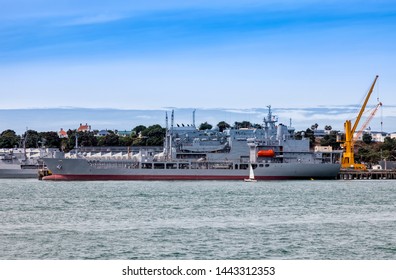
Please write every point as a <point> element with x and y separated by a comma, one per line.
<point>236,166</point>
<point>146,165</point>
<point>261,165</point>
<point>159,166</point>
<point>171,166</point>
<point>244,166</point>
<point>266,165</point>
<point>183,166</point>
<point>254,166</point>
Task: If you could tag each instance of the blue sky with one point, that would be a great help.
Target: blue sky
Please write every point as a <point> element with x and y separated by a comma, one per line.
<point>236,54</point>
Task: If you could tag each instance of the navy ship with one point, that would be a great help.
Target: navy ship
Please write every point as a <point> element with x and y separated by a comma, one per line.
<point>19,163</point>
<point>271,151</point>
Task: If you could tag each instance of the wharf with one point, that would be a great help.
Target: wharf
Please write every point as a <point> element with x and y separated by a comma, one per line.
<point>348,174</point>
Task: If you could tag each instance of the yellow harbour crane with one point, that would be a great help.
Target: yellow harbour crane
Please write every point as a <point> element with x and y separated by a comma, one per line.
<point>348,160</point>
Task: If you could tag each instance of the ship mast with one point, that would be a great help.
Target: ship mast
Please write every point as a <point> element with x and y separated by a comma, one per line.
<point>76,143</point>
<point>166,148</point>
<point>194,118</point>
<point>24,144</point>
<point>171,134</point>
<point>269,122</point>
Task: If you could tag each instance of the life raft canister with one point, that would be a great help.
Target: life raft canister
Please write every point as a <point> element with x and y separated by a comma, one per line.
<point>266,153</point>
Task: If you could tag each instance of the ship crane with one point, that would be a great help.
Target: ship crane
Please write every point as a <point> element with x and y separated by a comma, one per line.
<point>370,117</point>
<point>348,160</point>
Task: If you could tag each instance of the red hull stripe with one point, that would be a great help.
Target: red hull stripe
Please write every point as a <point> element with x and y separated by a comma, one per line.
<point>156,177</point>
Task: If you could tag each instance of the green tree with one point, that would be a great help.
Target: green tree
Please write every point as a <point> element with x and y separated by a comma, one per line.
<point>139,141</point>
<point>330,140</point>
<point>71,140</point>
<point>222,126</point>
<point>243,124</point>
<point>33,139</point>
<point>50,139</point>
<point>367,138</point>
<point>64,146</point>
<point>9,139</point>
<point>314,127</point>
<point>309,133</point>
<point>205,126</point>
<point>368,155</point>
<point>138,129</point>
<point>110,139</point>
<point>125,141</point>
<point>154,135</point>
<point>388,148</point>
<point>389,144</point>
<point>85,139</point>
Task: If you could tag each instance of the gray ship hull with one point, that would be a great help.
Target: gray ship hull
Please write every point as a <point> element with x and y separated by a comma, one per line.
<point>81,169</point>
<point>10,173</point>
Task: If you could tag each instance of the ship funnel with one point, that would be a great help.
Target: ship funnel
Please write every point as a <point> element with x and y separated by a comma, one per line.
<point>281,132</point>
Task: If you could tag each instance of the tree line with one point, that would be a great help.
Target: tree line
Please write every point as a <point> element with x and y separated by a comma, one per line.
<point>141,136</point>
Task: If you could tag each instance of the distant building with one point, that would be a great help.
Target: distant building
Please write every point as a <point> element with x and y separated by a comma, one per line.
<point>84,128</point>
<point>360,137</point>
<point>378,136</point>
<point>124,133</point>
<point>392,135</point>
<point>323,149</point>
<point>320,133</point>
<point>103,132</point>
<point>62,133</point>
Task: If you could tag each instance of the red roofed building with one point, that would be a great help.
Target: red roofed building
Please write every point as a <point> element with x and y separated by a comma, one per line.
<point>62,133</point>
<point>84,127</point>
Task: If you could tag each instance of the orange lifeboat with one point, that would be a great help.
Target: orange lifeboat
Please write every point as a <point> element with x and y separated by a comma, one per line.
<point>266,153</point>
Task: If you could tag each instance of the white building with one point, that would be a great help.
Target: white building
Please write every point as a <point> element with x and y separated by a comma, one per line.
<point>376,136</point>
<point>392,135</point>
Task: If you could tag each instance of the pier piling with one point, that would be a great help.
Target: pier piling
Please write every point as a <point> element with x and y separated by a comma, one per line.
<point>350,174</point>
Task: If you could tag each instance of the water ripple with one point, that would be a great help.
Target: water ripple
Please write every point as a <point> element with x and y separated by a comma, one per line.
<point>197,220</point>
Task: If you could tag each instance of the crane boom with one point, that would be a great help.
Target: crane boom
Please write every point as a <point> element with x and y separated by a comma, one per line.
<point>364,106</point>
<point>348,157</point>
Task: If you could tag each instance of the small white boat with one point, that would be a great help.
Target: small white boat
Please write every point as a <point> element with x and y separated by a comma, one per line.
<point>251,175</point>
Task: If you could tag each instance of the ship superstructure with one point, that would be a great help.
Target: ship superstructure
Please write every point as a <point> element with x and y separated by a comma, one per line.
<point>21,162</point>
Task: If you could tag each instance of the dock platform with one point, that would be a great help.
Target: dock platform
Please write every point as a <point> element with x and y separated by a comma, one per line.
<point>367,174</point>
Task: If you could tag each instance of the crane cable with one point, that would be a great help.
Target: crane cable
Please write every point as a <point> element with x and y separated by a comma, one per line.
<point>382,115</point>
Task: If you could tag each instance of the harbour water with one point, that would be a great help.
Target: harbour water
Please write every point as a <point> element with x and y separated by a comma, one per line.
<point>198,220</point>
